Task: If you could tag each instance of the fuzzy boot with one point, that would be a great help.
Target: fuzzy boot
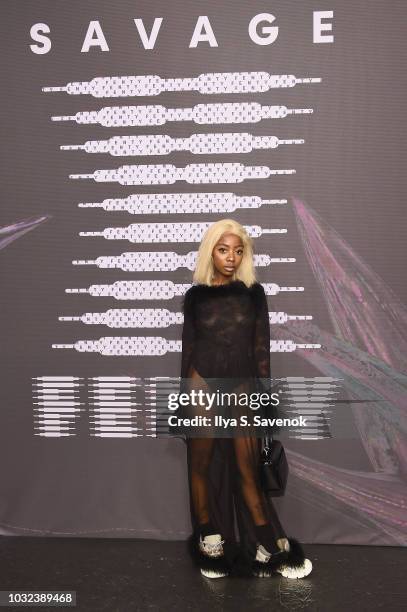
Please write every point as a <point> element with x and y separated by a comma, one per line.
<point>289,563</point>
<point>295,565</point>
<point>207,554</point>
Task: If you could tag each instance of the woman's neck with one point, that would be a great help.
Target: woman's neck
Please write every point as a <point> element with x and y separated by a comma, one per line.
<point>227,282</point>
<point>219,279</point>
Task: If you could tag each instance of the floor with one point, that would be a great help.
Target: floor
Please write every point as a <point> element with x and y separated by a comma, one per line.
<point>148,575</point>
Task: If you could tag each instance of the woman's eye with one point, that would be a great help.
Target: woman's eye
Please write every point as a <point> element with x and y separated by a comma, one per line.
<point>222,250</point>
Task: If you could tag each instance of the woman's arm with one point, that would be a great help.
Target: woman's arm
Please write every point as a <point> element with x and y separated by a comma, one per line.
<point>188,333</point>
<point>261,346</point>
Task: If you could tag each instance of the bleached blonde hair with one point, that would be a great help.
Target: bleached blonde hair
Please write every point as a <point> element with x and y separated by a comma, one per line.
<point>205,270</point>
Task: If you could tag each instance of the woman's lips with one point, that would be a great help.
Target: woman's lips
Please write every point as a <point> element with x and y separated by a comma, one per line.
<point>229,268</point>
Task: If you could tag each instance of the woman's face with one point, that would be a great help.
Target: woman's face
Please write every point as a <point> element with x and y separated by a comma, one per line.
<point>227,256</point>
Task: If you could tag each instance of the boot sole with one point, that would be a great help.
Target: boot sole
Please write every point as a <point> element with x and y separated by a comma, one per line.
<point>294,573</point>
<point>212,574</point>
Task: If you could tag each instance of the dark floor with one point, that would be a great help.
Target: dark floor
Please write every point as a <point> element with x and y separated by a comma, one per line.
<point>126,575</point>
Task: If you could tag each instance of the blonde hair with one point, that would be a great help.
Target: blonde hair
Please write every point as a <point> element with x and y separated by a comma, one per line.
<point>204,269</point>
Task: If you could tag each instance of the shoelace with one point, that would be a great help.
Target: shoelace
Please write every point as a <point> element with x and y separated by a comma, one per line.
<point>266,554</point>
<point>215,547</point>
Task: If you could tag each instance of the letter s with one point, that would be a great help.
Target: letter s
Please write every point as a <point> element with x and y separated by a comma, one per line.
<point>36,34</point>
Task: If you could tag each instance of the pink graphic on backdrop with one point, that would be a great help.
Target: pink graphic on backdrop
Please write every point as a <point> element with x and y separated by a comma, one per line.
<point>369,353</point>
<point>9,233</point>
<point>363,309</point>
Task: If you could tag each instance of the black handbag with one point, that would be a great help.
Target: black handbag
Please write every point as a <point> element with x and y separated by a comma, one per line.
<point>273,467</point>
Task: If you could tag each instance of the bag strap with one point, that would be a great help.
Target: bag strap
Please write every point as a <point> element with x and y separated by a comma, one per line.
<point>267,440</point>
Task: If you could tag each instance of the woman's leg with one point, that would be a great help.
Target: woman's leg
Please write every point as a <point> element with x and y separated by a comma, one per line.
<point>200,453</point>
<point>277,553</point>
<point>267,526</point>
<point>246,452</point>
<point>206,543</point>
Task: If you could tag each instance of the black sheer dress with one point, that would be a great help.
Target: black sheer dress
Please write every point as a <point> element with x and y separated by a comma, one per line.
<point>226,335</point>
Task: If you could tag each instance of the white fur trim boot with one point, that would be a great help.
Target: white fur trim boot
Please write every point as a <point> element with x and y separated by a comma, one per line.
<point>208,554</point>
<point>290,562</point>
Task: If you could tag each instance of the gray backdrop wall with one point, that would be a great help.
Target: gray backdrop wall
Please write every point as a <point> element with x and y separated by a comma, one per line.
<point>331,174</point>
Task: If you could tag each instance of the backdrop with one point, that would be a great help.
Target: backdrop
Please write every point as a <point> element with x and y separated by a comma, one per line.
<point>127,128</point>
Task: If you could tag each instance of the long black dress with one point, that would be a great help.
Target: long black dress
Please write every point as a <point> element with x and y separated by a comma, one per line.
<point>226,335</point>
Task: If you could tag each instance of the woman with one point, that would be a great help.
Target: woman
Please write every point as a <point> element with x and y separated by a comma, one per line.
<point>226,343</point>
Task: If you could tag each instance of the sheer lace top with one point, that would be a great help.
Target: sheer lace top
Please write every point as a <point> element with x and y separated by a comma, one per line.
<point>226,331</point>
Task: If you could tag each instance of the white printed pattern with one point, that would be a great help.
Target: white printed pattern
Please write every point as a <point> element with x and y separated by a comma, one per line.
<point>130,317</point>
<point>153,318</point>
<point>56,405</point>
<point>240,112</point>
<point>198,144</point>
<point>155,345</point>
<point>168,174</point>
<point>112,407</point>
<point>160,203</point>
<point>113,410</point>
<point>170,232</point>
<point>203,114</point>
<point>111,401</point>
<point>162,261</point>
<point>206,83</point>
<point>155,290</point>
<point>314,399</point>
<point>136,290</point>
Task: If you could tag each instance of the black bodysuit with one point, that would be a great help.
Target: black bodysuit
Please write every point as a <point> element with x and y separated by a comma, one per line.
<point>226,331</point>
<point>226,335</point>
